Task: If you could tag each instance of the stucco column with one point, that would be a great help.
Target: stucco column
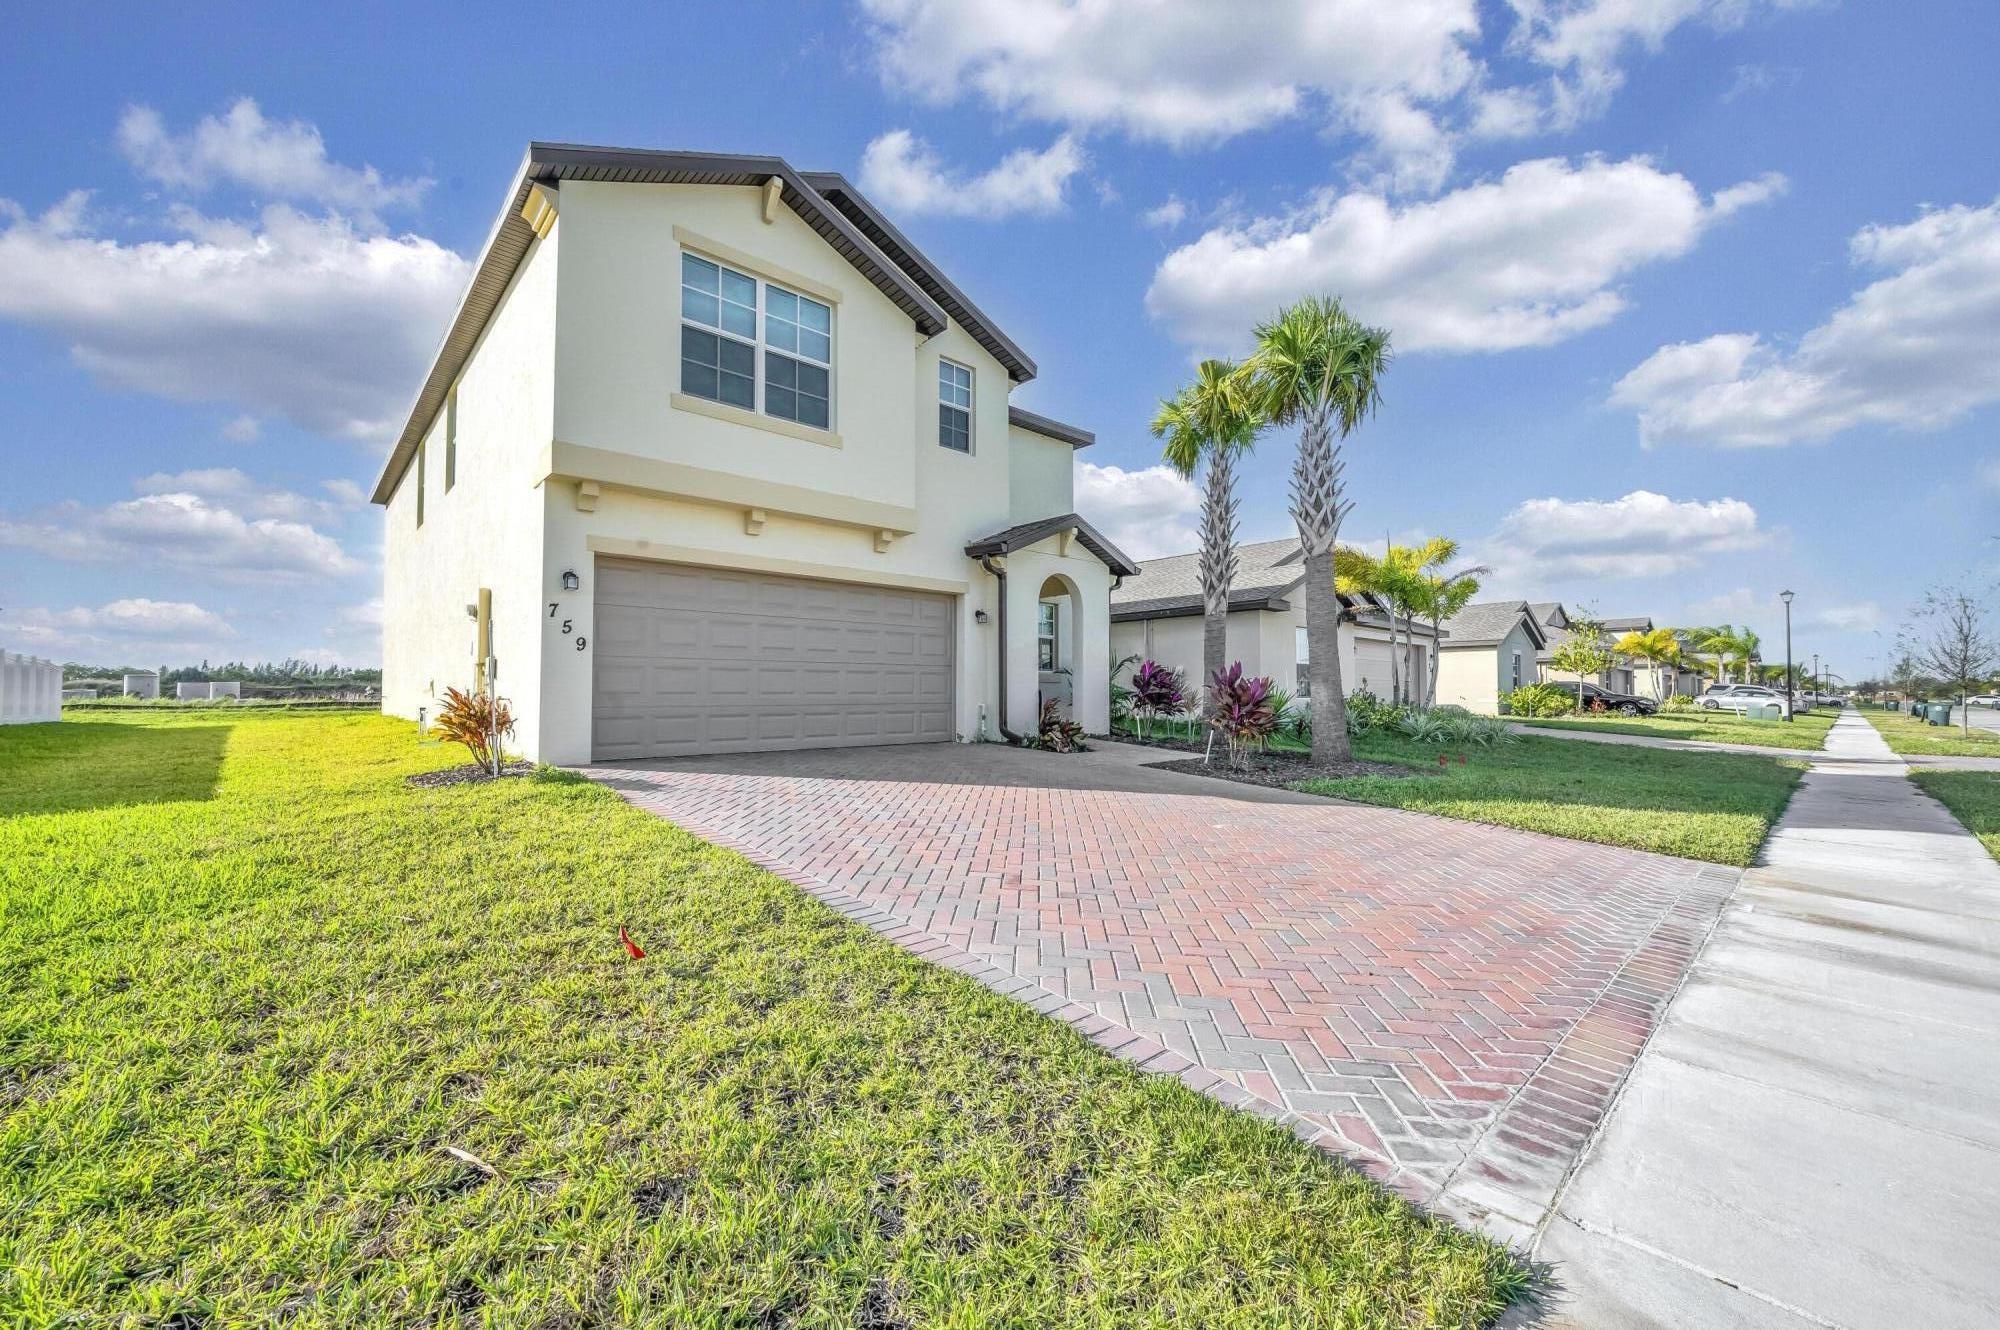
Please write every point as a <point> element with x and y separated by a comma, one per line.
<point>1024,587</point>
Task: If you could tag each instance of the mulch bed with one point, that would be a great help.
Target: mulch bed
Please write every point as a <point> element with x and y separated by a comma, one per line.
<point>1267,768</point>
<point>469,774</point>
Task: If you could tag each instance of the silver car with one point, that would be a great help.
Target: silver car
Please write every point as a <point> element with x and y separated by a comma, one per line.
<point>1740,697</point>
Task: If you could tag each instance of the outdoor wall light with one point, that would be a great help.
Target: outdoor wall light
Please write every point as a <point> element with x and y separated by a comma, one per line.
<point>979,616</point>
<point>570,580</point>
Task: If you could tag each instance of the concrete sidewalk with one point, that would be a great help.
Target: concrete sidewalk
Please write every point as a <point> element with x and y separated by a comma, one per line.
<point>1812,1136</point>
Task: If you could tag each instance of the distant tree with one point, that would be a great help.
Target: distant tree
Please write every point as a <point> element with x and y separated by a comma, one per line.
<point>1439,596</point>
<point>1583,653</point>
<point>1660,648</point>
<point>1950,638</point>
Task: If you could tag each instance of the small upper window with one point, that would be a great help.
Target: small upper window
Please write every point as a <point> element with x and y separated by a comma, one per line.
<point>954,406</point>
<point>450,440</point>
<point>1045,637</point>
<point>421,450</point>
<point>798,349</point>
<point>718,333</point>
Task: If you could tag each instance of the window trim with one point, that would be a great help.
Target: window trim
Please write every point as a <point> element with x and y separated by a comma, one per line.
<point>1048,613</point>
<point>971,407</point>
<point>760,347</point>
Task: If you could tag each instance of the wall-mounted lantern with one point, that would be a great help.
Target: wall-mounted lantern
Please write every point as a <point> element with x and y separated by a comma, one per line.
<point>570,580</point>
<point>980,616</point>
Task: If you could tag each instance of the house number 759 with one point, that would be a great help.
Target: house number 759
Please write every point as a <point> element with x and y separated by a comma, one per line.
<point>568,626</point>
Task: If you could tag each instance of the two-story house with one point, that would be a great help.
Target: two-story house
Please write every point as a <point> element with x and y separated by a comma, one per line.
<point>712,459</point>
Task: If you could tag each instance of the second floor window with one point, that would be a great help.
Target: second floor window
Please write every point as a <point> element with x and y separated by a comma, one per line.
<point>954,406</point>
<point>725,359</point>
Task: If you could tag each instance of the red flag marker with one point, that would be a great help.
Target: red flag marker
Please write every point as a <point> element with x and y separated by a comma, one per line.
<point>1442,759</point>
<point>1461,759</point>
<point>630,945</point>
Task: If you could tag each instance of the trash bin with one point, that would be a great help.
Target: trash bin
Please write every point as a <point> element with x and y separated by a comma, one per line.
<point>1764,711</point>
<point>1938,713</point>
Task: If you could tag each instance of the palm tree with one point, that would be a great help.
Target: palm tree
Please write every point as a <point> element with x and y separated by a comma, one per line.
<point>1357,574</point>
<point>1316,366</point>
<point>1397,579</point>
<point>1211,418</point>
<point>1717,643</point>
<point>1661,648</point>
<point>1440,595</point>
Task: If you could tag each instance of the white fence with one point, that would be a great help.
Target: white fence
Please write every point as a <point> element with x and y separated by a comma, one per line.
<point>30,689</point>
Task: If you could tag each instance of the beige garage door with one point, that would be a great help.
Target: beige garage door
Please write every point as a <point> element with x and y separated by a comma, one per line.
<point>1371,668</point>
<point>705,660</point>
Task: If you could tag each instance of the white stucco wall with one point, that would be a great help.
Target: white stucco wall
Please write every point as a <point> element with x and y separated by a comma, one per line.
<point>1477,677</point>
<point>1041,475</point>
<point>1265,642</point>
<point>487,530</point>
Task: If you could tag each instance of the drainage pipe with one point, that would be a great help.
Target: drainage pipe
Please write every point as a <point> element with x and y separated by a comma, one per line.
<point>1000,580</point>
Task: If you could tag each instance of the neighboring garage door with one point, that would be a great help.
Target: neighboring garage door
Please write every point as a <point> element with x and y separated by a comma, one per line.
<point>1371,668</point>
<point>707,660</point>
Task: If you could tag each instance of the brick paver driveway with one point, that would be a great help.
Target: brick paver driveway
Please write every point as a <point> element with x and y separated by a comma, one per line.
<point>1450,1005</point>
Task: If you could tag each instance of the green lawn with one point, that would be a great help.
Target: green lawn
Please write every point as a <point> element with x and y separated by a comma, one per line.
<point>1808,731</point>
<point>1973,798</point>
<point>254,986</point>
<point>1916,738</point>
<point>1713,806</point>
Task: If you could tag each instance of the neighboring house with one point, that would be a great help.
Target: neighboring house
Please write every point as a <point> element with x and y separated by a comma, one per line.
<point>1641,678</point>
<point>1159,617</point>
<point>205,691</point>
<point>1490,649</point>
<point>712,459</point>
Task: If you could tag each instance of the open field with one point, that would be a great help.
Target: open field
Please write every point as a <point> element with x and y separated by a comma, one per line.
<point>1806,732</point>
<point>284,1039</point>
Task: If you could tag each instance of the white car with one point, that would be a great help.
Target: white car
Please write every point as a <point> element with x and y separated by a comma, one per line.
<point>1984,700</point>
<point>1740,697</point>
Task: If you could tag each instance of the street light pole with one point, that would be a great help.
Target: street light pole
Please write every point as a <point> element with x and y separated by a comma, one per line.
<point>1791,693</point>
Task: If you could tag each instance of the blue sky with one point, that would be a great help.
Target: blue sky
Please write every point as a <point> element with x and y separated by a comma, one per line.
<point>1692,299</point>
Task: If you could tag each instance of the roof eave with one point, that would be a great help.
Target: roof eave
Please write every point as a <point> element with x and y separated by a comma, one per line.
<point>1034,423</point>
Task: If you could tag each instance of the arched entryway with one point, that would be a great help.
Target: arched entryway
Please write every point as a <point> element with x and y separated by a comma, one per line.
<point>1059,628</point>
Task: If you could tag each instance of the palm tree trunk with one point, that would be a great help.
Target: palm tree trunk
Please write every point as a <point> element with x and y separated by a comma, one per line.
<point>1218,564</point>
<point>1318,508</point>
<point>1431,692</point>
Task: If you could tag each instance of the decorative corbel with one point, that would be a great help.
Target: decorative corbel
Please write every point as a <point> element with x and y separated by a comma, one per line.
<point>883,540</point>
<point>586,496</point>
<point>774,191</point>
<point>753,521</point>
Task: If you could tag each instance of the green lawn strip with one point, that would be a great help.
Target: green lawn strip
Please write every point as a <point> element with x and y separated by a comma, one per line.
<point>1912,737</point>
<point>1806,732</point>
<point>255,983</point>
<point>1712,806</point>
<point>1973,798</point>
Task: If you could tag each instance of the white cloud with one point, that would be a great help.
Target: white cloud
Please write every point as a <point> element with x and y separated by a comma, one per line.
<point>243,429</point>
<point>1642,534</point>
<point>368,614</point>
<point>1166,216</point>
<point>1912,350</point>
<point>1858,617</point>
<point>294,316</point>
<point>346,493</point>
<point>1146,513</point>
<point>902,171</point>
<point>273,160</point>
<point>136,621</point>
<point>227,485</point>
<point>1529,259</point>
<point>185,531</point>
<point>1403,79</point>
<point>1584,43</point>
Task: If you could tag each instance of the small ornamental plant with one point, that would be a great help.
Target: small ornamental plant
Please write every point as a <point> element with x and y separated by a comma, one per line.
<point>1157,691</point>
<point>1057,733</point>
<point>1243,709</point>
<point>476,720</point>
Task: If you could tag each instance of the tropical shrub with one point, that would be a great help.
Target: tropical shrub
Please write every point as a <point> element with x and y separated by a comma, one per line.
<point>1057,733</point>
<point>1296,719</point>
<point>1121,696</point>
<point>1156,691</point>
<point>1678,702</point>
<point>477,720</point>
<point>1241,708</point>
<point>1539,700</point>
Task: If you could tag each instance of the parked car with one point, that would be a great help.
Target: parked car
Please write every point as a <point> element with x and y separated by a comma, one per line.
<point>1625,704</point>
<point>1984,700</point>
<point>1740,697</point>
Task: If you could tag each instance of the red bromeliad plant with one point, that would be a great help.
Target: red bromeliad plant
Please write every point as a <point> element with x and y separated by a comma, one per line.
<point>1157,691</point>
<point>1244,709</point>
<point>475,720</point>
